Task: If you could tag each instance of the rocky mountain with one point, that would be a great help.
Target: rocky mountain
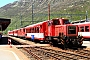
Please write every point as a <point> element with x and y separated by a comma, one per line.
<point>22,12</point>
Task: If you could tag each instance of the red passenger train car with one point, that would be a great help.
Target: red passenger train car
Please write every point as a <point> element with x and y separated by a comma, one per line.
<point>10,33</point>
<point>84,29</point>
<point>36,30</point>
<point>21,32</point>
<point>55,31</point>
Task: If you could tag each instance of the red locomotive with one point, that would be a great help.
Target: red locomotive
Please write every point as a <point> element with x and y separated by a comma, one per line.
<point>55,31</point>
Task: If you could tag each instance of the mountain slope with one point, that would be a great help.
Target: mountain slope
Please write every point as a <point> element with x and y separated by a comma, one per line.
<point>21,11</point>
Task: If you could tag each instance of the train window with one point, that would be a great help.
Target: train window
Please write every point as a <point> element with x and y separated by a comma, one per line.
<point>37,29</point>
<point>24,30</point>
<point>20,29</point>
<point>33,30</point>
<point>82,29</point>
<point>66,22</point>
<point>27,30</point>
<point>71,29</point>
<point>87,28</point>
<point>30,30</point>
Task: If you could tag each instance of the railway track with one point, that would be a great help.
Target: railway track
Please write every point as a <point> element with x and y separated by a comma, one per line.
<point>43,53</point>
<point>49,53</point>
<point>82,52</point>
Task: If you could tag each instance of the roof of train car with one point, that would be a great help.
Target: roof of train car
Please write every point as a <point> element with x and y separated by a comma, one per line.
<point>36,24</point>
<point>4,23</point>
<point>85,23</point>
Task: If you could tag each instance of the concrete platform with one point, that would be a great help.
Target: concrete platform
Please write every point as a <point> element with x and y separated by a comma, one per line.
<point>28,42</point>
<point>7,53</point>
<point>86,43</point>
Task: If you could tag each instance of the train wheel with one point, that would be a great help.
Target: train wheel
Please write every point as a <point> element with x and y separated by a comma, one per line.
<point>51,43</point>
<point>63,44</point>
<point>50,40</point>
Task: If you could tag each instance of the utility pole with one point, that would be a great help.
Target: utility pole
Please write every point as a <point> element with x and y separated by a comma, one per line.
<point>20,19</point>
<point>86,16</point>
<point>21,14</point>
<point>32,12</point>
<point>49,11</point>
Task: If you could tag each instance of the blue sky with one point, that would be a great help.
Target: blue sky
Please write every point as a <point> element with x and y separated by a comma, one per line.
<point>4,2</point>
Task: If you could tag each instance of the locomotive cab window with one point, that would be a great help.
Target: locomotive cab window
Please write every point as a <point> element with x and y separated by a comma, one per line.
<point>66,22</point>
<point>55,22</point>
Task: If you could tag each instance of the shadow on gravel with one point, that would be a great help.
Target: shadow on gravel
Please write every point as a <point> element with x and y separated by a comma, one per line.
<point>78,48</point>
<point>74,48</point>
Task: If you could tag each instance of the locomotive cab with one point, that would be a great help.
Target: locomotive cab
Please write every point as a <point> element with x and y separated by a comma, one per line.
<point>64,21</point>
<point>60,31</point>
<point>60,21</point>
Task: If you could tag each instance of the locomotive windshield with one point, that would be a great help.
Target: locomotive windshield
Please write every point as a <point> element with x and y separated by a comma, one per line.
<point>71,29</point>
<point>56,22</point>
<point>66,22</point>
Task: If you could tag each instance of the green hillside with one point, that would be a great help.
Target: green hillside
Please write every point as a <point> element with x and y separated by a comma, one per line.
<point>20,12</point>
